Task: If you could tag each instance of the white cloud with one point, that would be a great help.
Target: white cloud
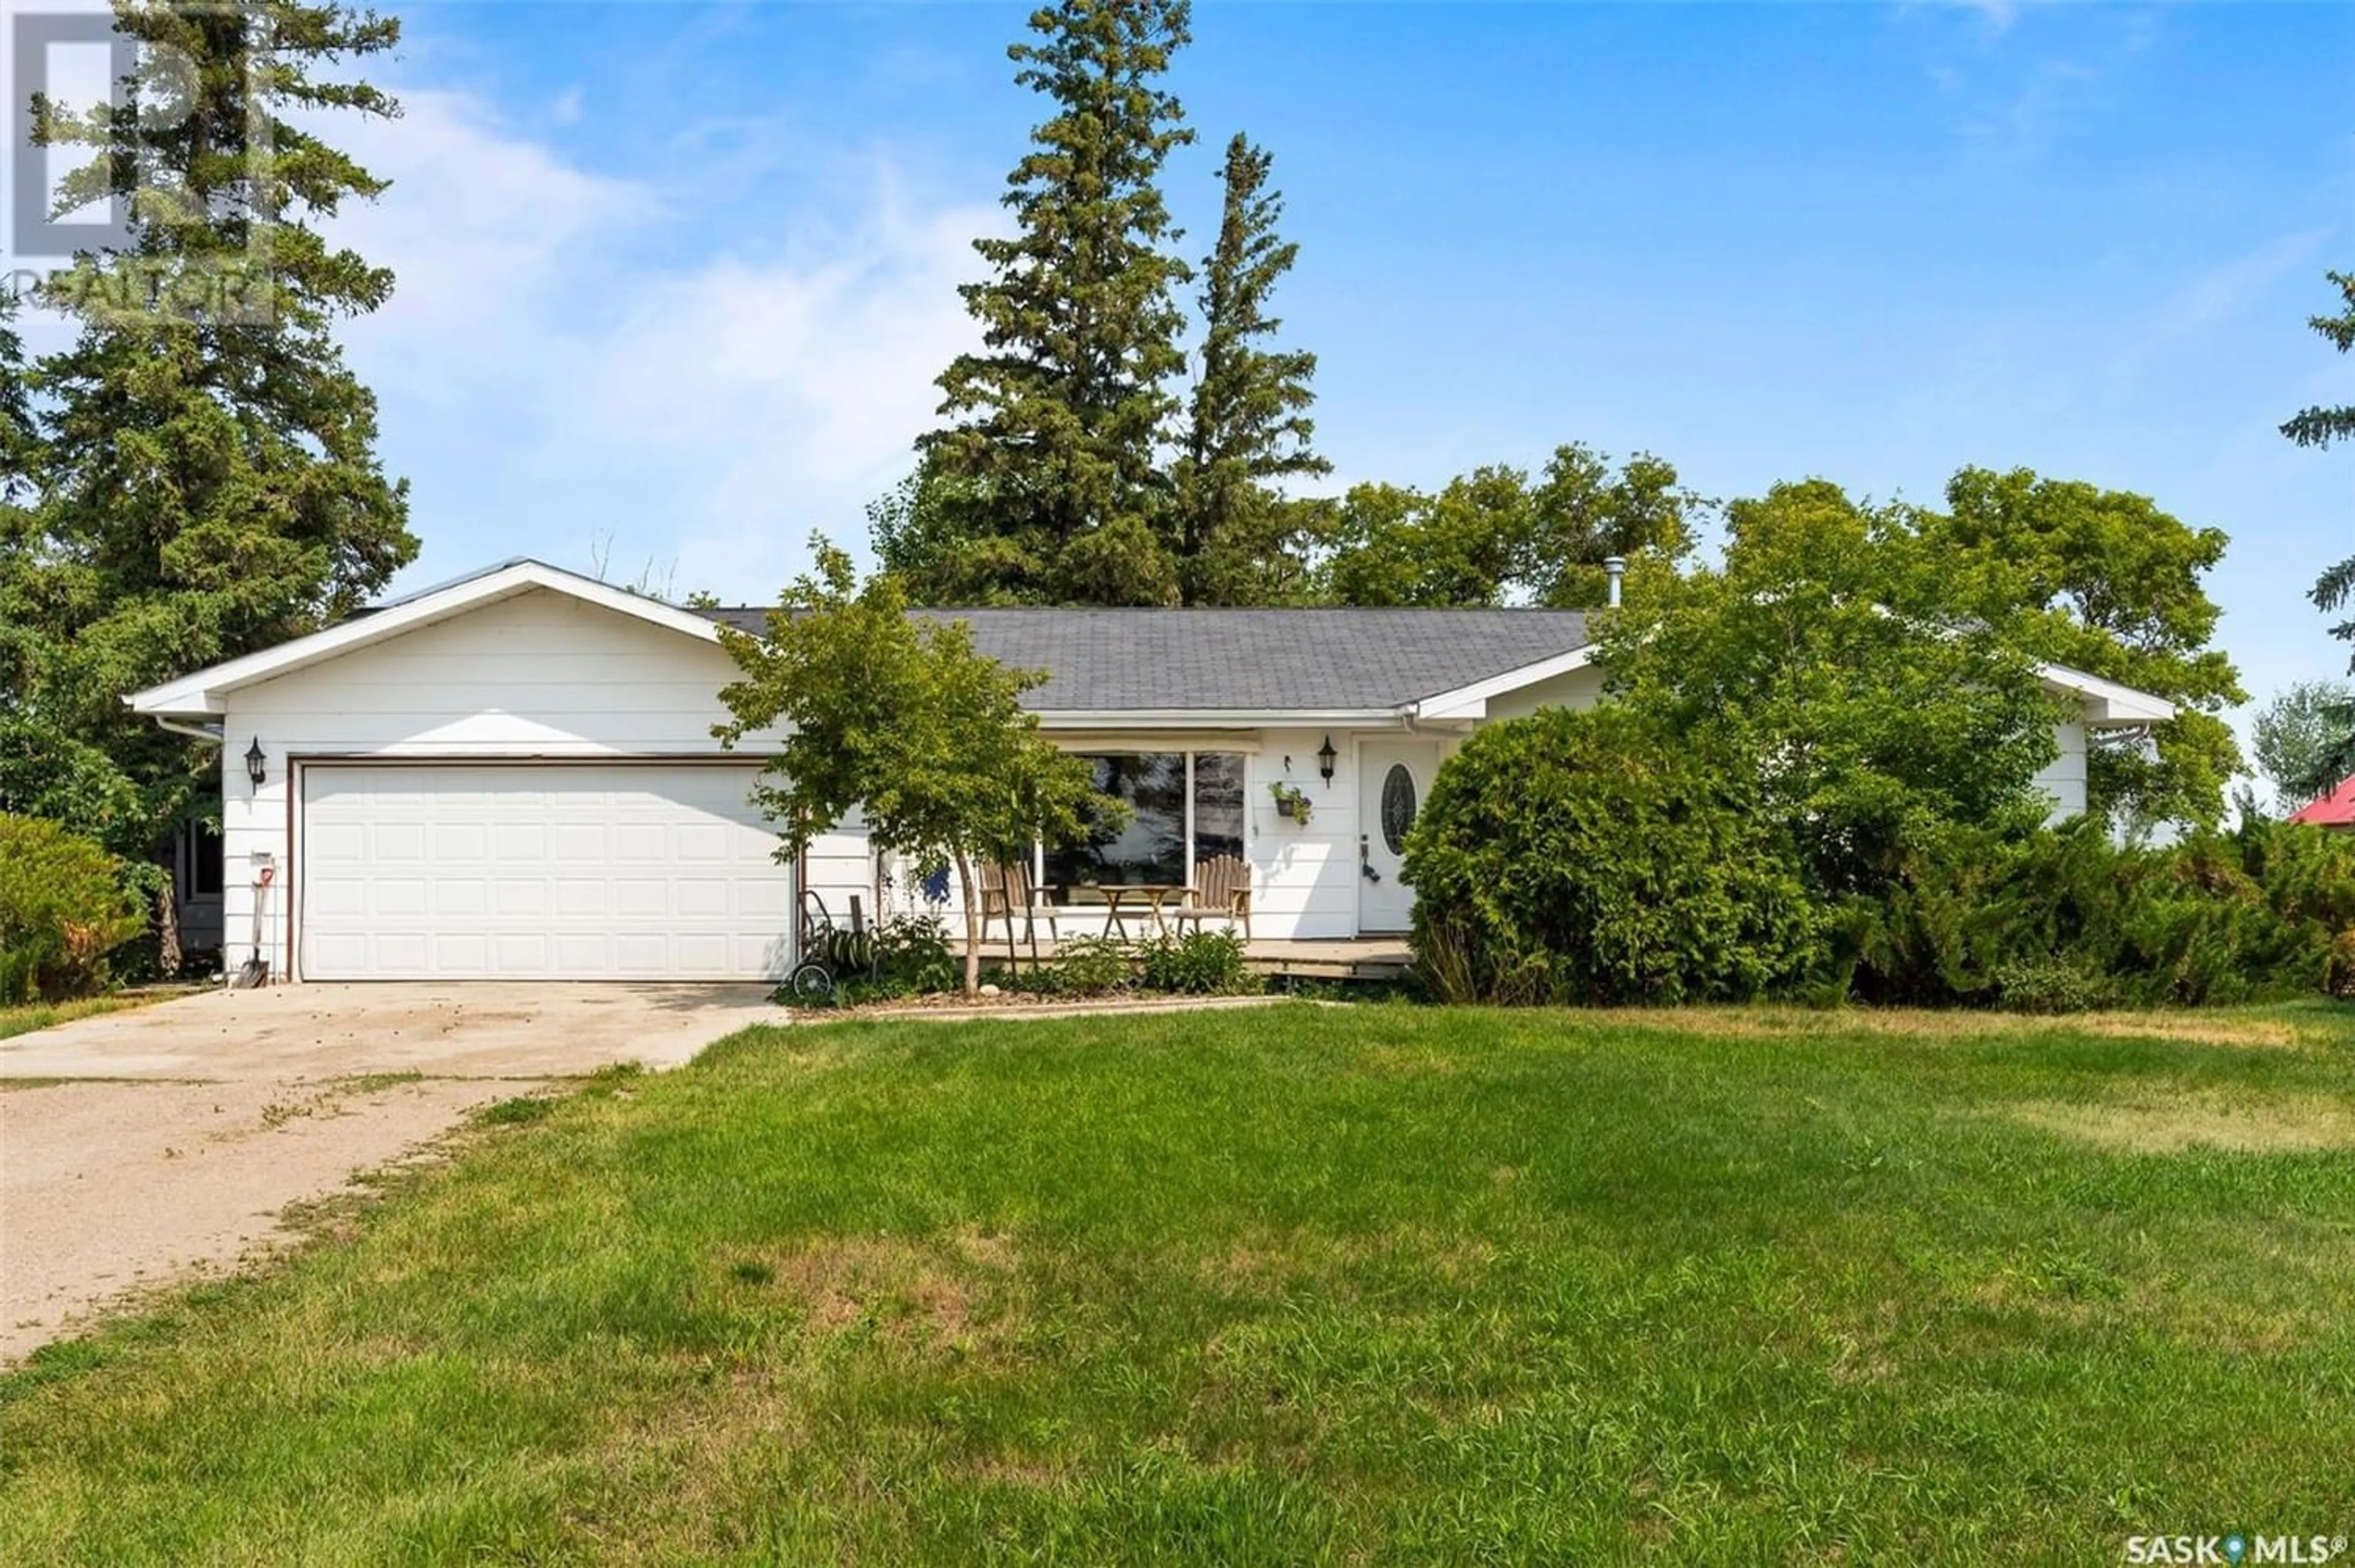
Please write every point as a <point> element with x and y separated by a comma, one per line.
<point>548,381</point>
<point>481,228</point>
<point>787,393</point>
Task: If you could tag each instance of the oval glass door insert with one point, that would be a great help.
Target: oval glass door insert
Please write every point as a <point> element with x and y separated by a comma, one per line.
<point>1397,806</point>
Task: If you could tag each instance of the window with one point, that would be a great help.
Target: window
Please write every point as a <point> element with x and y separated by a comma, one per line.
<point>202,846</point>
<point>1188,806</point>
<point>1218,804</point>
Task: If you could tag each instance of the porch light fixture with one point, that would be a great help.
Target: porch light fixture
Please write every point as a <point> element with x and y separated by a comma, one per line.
<point>257,766</point>
<point>1324,755</point>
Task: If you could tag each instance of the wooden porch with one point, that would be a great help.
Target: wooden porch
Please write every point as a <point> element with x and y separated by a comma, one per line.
<point>1338,958</point>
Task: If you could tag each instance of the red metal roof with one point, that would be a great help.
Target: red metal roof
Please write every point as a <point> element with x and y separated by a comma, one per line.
<point>2336,809</point>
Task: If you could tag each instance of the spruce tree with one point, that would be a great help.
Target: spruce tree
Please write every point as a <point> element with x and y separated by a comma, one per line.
<point>2335,589</point>
<point>203,474</point>
<point>2320,427</point>
<point>1049,476</point>
<point>1237,539</point>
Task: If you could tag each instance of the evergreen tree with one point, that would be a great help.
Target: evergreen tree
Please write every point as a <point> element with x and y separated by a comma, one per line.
<point>204,473</point>
<point>2320,427</point>
<point>1237,539</point>
<point>1048,480</point>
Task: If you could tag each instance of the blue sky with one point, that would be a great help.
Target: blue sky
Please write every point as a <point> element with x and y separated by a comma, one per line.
<point>675,278</point>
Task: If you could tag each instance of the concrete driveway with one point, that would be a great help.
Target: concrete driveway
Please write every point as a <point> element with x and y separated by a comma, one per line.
<point>144,1147</point>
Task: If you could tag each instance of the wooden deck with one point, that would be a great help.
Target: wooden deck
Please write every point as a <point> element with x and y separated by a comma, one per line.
<point>1342,958</point>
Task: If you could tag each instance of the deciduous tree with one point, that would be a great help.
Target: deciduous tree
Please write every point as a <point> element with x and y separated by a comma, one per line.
<point>2114,587</point>
<point>1829,650</point>
<point>2300,741</point>
<point>1493,536</point>
<point>900,719</point>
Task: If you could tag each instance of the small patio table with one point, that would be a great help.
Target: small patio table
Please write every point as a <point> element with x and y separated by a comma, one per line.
<point>1119,911</point>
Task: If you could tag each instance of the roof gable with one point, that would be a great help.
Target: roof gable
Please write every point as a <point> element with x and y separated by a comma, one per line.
<point>204,691</point>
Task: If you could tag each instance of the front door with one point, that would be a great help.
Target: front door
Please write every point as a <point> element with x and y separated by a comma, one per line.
<point>1393,778</point>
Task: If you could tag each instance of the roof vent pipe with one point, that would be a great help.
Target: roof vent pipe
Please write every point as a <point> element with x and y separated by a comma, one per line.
<point>1616,568</point>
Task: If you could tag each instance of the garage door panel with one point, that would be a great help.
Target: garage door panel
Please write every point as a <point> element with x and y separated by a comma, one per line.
<point>577,897</point>
<point>519,953</point>
<point>520,898</point>
<point>460,898</point>
<point>636,897</point>
<point>391,843</point>
<point>703,895</point>
<point>643,953</point>
<point>519,842</point>
<point>394,897</point>
<point>538,870</point>
<point>577,843</point>
<point>454,841</point>
<point>639,844</point>
<point>463,954</point>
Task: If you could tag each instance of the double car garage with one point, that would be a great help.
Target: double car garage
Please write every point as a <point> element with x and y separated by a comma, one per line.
<point>549,870</point>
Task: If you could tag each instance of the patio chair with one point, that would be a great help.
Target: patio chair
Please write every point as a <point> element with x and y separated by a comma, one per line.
<point>1221,890</point>
<point>1006,891</point>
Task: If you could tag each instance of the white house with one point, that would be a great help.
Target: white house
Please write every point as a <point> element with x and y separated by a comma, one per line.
<point>513,775</point>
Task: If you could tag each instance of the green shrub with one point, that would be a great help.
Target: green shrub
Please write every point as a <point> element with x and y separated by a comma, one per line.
<point>2338,969</point>
<point>1200,964</point>
<point>2048,985</point>
<point>2250,915</point>
<point>1588,857</point>
<point>1091,966</point>
<point>913,956</point>
<point>65,904</point>
<point>1083,967</point>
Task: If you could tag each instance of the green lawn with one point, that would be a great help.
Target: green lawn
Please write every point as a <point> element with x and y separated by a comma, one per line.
<point>1372,1284</point>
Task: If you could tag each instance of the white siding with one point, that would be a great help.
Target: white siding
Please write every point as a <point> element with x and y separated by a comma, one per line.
<point>838,867</point>
<point>538,675</point>
<point>2065,778</point>
<point>1580,689</point>
<point>1303,876</point>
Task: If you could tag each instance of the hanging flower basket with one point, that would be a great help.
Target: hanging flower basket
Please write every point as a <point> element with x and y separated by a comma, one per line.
<point>1290,803</point>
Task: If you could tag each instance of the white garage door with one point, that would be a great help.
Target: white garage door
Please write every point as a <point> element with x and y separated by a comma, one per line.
<point>538,870</point>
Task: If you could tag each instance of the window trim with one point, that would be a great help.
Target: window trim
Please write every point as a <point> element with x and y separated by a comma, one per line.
<point>1097,748</point>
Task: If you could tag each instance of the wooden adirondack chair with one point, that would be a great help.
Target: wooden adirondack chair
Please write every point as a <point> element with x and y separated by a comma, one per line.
<point>1006,891</point>
<point>1221,890</point>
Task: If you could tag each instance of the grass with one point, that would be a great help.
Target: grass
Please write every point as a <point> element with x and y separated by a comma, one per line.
<point>24,1019</point>
<point>1368,1285</point>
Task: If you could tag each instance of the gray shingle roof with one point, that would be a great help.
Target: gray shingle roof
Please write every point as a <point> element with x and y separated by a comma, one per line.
<point>1286,660</point>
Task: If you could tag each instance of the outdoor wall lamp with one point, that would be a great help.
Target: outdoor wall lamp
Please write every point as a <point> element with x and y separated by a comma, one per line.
<point>257,766</point>
<point>1324,755</point>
